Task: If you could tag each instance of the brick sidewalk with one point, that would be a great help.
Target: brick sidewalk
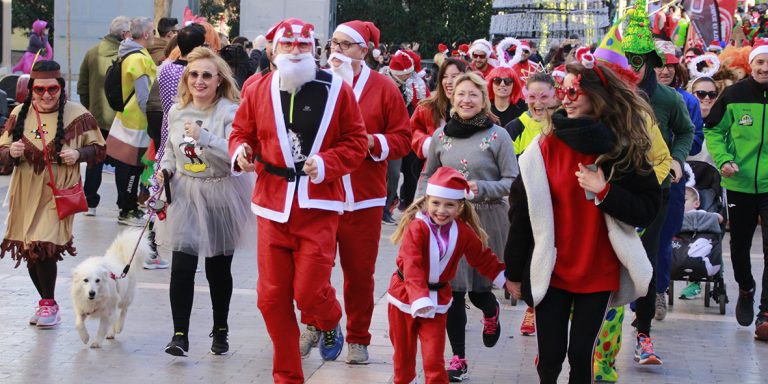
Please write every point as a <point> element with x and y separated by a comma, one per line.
<point>698,345</point>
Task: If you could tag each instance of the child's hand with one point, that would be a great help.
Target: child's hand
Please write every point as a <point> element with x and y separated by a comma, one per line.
<point>514,289</point>
<point>425,310</point>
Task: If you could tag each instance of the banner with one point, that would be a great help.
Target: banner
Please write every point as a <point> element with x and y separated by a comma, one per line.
<point>705,19</point>
<point>727,10</point>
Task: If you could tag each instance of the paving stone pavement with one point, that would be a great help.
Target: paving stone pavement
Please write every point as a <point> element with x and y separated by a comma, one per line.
<point>698,344</point>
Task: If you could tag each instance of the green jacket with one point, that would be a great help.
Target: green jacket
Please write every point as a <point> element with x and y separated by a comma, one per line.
<point>674,123</point>
<point>90,85</point>
<point>735,130</point>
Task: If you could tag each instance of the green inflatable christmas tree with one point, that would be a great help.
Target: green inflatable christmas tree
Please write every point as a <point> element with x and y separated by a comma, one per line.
<point>637,36</point>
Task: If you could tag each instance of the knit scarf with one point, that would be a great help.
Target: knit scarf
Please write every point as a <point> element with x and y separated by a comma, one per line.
<point>584,135</point>
<point>461,129</point>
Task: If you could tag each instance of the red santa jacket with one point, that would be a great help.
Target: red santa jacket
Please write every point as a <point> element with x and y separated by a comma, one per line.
<point>488,69</point>
<point>422,128</point>
<point>420,263</point>
<point>339,147</point>
<point>386,118</point>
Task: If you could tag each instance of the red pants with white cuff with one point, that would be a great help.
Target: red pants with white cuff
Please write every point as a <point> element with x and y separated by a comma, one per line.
<point>295,260</point>
<point>358,241</point>
<point>404,332</point>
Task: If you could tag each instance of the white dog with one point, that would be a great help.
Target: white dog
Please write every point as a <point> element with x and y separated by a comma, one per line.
<point>98,291</point>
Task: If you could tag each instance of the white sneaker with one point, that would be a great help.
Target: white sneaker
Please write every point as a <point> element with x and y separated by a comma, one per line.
<point>156,263</point>
<point>90,212</point>
<point>49,315</point>
<point>309,338</point>
<point>357,354</point>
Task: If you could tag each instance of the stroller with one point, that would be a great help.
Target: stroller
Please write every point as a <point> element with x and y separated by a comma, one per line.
<point>697,252</point>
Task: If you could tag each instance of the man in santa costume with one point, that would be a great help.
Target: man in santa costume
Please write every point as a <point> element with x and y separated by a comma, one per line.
<point>480,51</point>
<point>300,129</point>
<point>389,136</point>
<point>524,67</point>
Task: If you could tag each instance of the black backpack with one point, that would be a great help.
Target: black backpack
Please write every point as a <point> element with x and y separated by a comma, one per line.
<point>113,84</point>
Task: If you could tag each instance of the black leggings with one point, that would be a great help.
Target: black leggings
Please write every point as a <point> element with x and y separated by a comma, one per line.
<point>456,319</point>
<point>645,307</point>
<point>554,342</point>
<point>43,275</point>
<point>218,271</point>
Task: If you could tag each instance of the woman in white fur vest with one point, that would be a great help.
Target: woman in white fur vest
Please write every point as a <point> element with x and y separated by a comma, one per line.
<point>583,188</point>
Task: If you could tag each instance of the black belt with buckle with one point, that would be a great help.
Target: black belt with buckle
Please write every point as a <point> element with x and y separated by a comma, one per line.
<point>430,286</point>
<point>288,174</point>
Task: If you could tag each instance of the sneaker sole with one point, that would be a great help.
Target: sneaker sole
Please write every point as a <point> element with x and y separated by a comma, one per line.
<point>527,333</point>
<point>653,360</point>
<point>219,353</point>
<point>458,379</point>
<point>175,351</point>
<point>154,267</point>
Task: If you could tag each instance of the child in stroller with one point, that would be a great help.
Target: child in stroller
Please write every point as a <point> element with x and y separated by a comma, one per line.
<point>697,249</point>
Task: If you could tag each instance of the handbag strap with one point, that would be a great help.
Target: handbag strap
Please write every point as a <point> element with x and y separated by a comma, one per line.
<point>40,130</point>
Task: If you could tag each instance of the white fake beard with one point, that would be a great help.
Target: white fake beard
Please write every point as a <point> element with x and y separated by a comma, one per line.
<point>294,75</point>
<point>344,69</point>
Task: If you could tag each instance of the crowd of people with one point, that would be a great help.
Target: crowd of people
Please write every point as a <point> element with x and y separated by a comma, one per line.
<point>564,182</point>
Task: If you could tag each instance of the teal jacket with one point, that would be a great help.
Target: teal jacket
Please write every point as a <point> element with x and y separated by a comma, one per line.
<point>735,130</point>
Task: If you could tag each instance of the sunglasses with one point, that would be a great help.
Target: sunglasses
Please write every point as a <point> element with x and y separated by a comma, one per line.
<point>478,56</point>
<point>704,94</point>
<point>571,93</point>
<point>532,97</point>
<point>51,89</point>
<point>205,75</point>
<point>505,80</point>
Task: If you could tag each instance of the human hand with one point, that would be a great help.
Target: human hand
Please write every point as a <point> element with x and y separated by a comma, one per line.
<point>592,181</point>
<point>678,171</point>
<point>514,289</point>
<point>244,159</point>
<point>371,142</point>
<point>17,149</point>
<point>729,169</point>
<point>160,177</point>
<point>191,130</point>
<point>310,168</point>
<point>69,156</point>
<point>473,187</point>
<point>425,310</point>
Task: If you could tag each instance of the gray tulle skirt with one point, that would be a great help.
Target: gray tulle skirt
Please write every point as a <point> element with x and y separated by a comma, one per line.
<point>206,217</point>
<point>495,221</point>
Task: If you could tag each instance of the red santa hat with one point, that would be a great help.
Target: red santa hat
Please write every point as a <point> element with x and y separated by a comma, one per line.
<point>404,62</point>
<point>464,49</point>
<point>448,183</point>
<point>481,46</point>
<point>270,36</point>
<point>714,46</point>
<point>294,31</point>
<point>759,47</point>
<point>525,46</point>
<point>362,32</point>
<point>442,48</point>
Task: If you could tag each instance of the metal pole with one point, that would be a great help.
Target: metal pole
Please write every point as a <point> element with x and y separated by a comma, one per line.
<point>6,35</point>
<point>332,18</point>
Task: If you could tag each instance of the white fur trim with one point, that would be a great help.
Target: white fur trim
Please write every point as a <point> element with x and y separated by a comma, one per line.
<point>482,45</point>
<point>240,149</point>
<point>365,73</point>
<point>711,70</point>
<point>351,32</point>
<point>423,302</point>
<point>320,169</point>
<point>500,280</point>
<point>403,72</point>
<point>501,51</point>
<point>425,147</point>
<point>384,147</point>
<point>407,307</point>
<point>760,49</point>
<point>691,176</point>
<point>446,193</point>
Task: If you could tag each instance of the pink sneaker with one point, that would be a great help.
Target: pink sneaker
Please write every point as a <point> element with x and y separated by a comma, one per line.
<point>33,318</point>
<point>49,313</point>
<point>528,328</point>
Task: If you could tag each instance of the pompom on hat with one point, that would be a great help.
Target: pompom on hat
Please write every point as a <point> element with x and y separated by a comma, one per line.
<point>362,32</point>
<point>448,183</point>
<point>759,47</point>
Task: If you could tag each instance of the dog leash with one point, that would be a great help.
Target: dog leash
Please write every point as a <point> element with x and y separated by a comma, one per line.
<point>151,211</point>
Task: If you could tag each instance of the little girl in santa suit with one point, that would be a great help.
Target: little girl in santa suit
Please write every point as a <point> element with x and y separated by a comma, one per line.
<point>436,230</point>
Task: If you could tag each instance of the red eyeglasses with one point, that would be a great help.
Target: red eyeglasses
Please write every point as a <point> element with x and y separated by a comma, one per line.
<point>478,56</point>
<point>51,89</point>
<point>571,93</point>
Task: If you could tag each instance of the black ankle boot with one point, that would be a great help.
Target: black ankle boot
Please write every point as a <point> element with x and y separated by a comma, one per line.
<point>220,345</point>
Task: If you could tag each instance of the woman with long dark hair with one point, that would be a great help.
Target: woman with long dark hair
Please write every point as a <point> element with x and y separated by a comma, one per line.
<point>35,233</point>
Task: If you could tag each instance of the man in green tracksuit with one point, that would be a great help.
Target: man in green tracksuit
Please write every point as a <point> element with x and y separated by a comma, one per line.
<point>735,133</point>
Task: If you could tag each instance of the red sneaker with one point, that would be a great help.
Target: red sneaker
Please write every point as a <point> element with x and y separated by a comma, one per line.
<point>528,328</point>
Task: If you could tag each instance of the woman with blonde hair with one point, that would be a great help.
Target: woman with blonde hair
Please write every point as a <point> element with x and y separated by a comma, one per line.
<point>210,207</point>
<point>473,144</point>
<point>587,175</point>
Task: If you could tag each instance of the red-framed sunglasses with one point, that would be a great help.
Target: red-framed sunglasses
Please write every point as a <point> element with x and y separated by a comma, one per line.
<point>51,89</point>
<point>571,93</point>
<point>478,56</point>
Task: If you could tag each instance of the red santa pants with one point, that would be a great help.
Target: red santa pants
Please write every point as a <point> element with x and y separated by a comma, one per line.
<point>358,238</point>
<point>295,261</point>
<point>404,332</point>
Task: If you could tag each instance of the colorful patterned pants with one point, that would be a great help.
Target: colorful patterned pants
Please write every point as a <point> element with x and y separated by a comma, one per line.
<point>608,346</point>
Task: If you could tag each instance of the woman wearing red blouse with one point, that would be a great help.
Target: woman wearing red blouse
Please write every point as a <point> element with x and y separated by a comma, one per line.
<point>588,177</point>
<point>432,112</point>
